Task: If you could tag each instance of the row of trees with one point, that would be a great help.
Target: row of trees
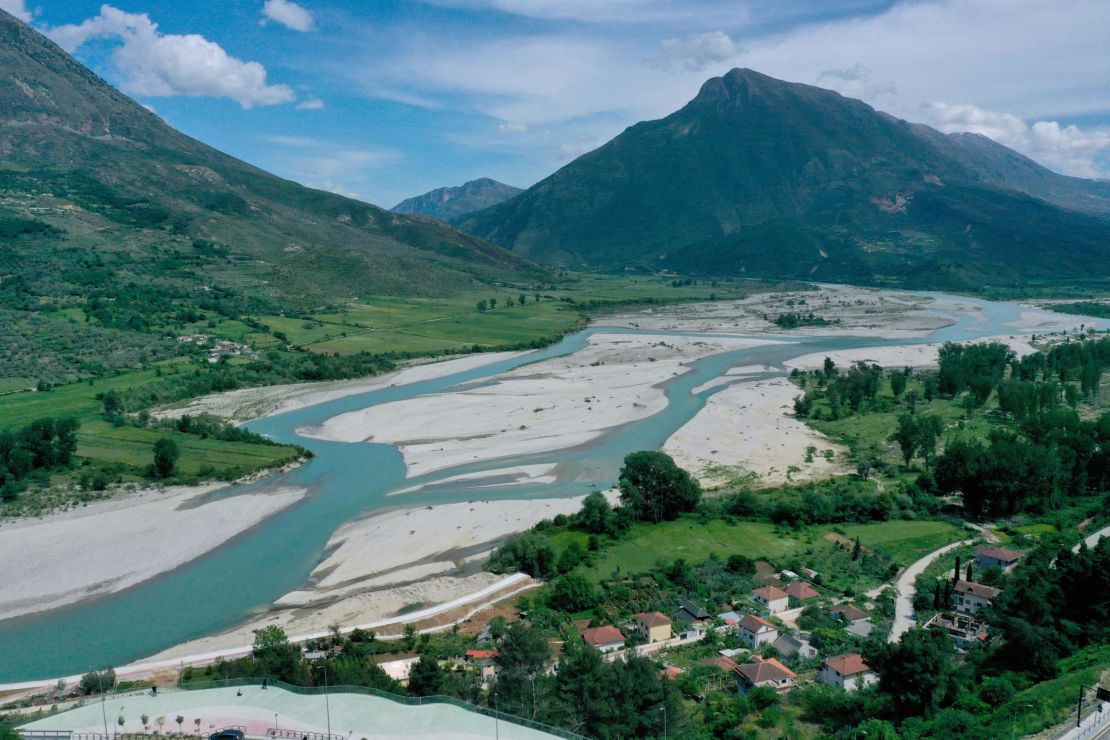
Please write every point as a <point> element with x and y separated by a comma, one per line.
<point>42,445</point>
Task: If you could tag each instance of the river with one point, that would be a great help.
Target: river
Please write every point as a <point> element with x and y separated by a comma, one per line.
<point>245,576</point>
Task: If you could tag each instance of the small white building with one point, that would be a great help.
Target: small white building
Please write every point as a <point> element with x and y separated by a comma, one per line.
<point>756,632</point>
<point>774,600</point>
<point>971,597</point>
<point>847,672</point>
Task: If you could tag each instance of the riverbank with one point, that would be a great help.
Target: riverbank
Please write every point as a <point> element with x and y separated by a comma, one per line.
<point>246,404</point>
<point>107,546</point>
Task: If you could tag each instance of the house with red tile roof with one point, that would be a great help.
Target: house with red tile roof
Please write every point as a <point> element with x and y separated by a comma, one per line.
<point>847,672</point>
<point>764,672</point>
<point>603,639</point>
<point>755,631</point>
<point>652,626</point>
<point>801,591</point>
<point>774,600</point>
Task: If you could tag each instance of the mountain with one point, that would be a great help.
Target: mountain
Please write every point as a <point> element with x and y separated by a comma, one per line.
<point>111,178</point>
<point>452,203</point>
<point>761,177</point>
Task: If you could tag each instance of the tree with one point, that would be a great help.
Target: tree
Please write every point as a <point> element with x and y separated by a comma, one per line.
<point>571,557</point>
<point>65,442</point>
<point>898,382</point>
<point>856,549</point>
<point>98,682</point>
<point>111,403</point>
<point>527,552</point>
<point>180,720</point>
<point>426,677</point>
<point>928,429</point>
<point>916,673</point>
<point>166,453</point>
<point>596,516</point>
<point>483,305</point>
<point>571,593</point>
<point>906,437</point>
<point>829,367</point>
<point>276,657</point>
<point>740,565</point>
<point>654,488</point>
<point>523,655</point>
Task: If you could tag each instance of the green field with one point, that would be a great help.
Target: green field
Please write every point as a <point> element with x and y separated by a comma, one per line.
<point>694,540</point>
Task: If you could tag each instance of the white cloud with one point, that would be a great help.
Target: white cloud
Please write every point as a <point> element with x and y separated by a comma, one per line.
<point>697,51</point>
<point>596,12</point>
<point>289,14</point>
<point>311,104</point>
<point>1069,149</point>
<point>155,64</point>
<point>18,8</point>
<point>512,128</point>
<point>856,82</point>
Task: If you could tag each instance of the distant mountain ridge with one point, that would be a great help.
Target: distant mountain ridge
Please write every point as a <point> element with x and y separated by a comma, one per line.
<point>452,203</point>
<point>760,177</point>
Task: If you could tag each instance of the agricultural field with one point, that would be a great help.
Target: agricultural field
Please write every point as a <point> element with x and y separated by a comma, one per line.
<point>695,541</point>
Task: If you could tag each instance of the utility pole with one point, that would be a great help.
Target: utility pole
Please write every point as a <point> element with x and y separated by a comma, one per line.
<point>103,699</point>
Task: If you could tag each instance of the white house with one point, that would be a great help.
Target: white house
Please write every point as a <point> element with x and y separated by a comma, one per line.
<point>847,672</point>
<point>756,632</point>
<point>774,600</point>
<point>971,597</point>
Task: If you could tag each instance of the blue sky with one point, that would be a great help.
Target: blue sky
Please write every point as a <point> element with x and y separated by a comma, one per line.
<point>383,99</point>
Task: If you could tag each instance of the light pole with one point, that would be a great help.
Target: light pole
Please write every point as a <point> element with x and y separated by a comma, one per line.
<point>103,699</point>
<point>327,701</point>
<point>663,707</point>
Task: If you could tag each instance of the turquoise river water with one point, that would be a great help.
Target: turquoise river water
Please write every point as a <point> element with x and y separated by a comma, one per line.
<point>345,481</point>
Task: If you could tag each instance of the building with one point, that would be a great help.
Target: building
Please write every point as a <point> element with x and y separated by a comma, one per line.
<point>849,613</point>
<point>484,661</point>
<point>756,632</point>
<point>1001,557</point>
<point>690,612</point>
<point>971,597</point>
<point>847,672</point>
<point>730,618</point>
<point>764,672</point>
<point>774,600</point>
<point>965,631</point>
<point>791,645</point>
<point>801,591</point>
<point>603,639</point>
<point>652,626</point>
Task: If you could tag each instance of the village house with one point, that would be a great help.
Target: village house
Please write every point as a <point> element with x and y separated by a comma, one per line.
<point>764,672</point>
<point>1004,558</point>
<point>603,639</point>
<point>756,632</point>
<point>652,626</point>
<point>483,660</point>
<point>849,613</point>
<point>801,592</point>
<point>847,672</point>
<point>774,600</point>
<point>971,597</point>
<point>791,645</point>
<point>729,618</point>
<point>690,612</point>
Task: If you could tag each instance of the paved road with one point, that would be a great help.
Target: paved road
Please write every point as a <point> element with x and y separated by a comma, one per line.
<point>903,605</point>
<point>1094,538</point>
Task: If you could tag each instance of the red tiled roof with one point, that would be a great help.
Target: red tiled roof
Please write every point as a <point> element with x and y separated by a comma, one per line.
<point>801,591</point>
<point>671,672</point>
<point>482,654</point>
<point>849,664</point>
<point>607,635</point>
<point>752,623</point>
<point>1004,554</point>
<point>977,589</point>
<point>769,593</point>
<point>760,670</point>
<point>653,619</point>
